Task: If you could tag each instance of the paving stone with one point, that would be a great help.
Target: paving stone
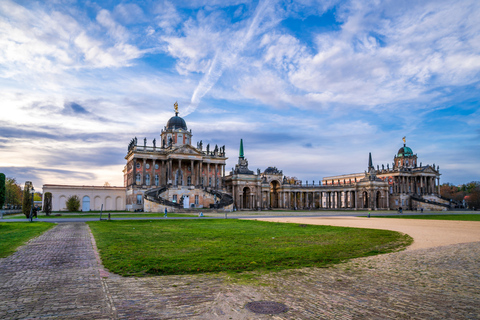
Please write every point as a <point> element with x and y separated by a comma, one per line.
<point>59,275</point>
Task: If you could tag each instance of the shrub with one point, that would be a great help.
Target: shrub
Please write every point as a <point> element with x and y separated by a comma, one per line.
<point>73,203</point>
<point>27,199</point>
<point>47,203</point>
<point>2,190</point>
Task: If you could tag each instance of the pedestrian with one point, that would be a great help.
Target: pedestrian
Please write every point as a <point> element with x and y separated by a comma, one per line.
<point>165,215</point>
<point>369,214</point>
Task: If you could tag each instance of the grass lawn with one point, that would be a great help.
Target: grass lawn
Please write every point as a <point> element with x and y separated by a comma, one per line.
<point>67,215</point>
<point>138,248</point>
<point>460,217</point>
<point>14,234</point>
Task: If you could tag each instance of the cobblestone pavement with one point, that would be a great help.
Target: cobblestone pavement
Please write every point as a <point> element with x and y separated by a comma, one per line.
<point>68,283</point>
<point>54,276</point>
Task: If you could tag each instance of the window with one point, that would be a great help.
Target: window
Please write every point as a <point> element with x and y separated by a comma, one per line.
<point>156,180</point>
<point>147,179</point>
<point>139,199</point>
<point>210,182</point>
<point>406,202</point>
<point>403,202</point>
<point>138,179</point>
<point>391,189</point>
<point>196,200</point>
<point>396,202</point>
<point>156,166</point>
<point>218,182</point>
<point>147,166</point>
<point>189,180</point>
<point>138,165</point>
<point>174,198</point>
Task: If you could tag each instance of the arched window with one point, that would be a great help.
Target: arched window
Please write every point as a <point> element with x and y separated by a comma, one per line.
<point>147,179</point>
<point>156,180</point>
<point>138,178</point>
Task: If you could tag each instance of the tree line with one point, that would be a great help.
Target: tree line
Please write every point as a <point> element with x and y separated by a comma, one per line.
<point>469,192</point>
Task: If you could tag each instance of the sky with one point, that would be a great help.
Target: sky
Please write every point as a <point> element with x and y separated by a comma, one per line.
<point>310,86</point>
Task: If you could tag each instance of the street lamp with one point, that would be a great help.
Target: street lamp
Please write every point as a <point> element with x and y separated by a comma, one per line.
<point>31,208</point>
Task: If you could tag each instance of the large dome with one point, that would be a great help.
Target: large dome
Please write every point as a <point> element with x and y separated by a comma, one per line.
<point>405,152</point>
<point>176,123</point>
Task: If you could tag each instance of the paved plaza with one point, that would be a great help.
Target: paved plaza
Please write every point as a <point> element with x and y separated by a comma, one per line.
<point>59,275</point>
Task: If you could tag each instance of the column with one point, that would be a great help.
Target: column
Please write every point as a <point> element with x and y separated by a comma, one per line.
<point>152,176</point>
<point>192,173</point>
<point>134,182</point>
<point>170,170</point>
<point>144,172</point>
<point>216,176</point>
<point>208,175</point>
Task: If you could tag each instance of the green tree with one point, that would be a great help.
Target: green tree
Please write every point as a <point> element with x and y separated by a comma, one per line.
<point>27,199</point>
<point>13,192</point>
<point>3,191</point>
<point>73,203</point>
<point>47,203</point>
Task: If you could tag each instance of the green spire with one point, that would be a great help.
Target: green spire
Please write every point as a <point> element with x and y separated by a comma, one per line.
<point>241,148</point>
<point>370,162</point>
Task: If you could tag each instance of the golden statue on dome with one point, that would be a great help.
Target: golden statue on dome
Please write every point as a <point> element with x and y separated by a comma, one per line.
<point>404,139</point>
<point>175,105</point>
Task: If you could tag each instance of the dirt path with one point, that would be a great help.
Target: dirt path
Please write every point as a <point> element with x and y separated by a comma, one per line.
<point>426,233</point>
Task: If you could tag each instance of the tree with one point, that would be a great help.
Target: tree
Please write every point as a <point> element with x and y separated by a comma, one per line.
<point>27,200</point>
<point>13,192</point>
<point>3,191</point>
<point>106,184</point>
<point>73,203</point>
<point>473,198</point>
<point>47,204</point>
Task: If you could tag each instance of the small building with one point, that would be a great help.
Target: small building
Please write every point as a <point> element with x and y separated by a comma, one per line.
<point>92,198</point>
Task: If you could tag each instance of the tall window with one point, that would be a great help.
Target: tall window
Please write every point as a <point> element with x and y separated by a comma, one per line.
<point>139,199</point>
<point>174,198</point>
<point>147,179</point>
<point>210,181</point>
<point>138,178</point>
<point>189,180</point>
<point>196,200</point>
<point>157,182</point>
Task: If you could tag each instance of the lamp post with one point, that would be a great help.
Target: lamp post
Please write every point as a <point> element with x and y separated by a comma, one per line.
<point>31,208</point>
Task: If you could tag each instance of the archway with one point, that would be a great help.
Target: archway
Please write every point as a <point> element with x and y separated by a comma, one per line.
<point>365,199</point>
<point>86,203</point>
<point>246,198</point>
<point>274,188</point>
<point>379,200</point>
<point>108,204</point>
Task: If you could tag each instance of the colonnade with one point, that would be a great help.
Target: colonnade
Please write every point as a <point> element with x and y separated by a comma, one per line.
<point>420,185</point>
<point>178,172</point>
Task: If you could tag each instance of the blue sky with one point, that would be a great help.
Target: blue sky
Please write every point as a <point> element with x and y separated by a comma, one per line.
<point>311,86</point>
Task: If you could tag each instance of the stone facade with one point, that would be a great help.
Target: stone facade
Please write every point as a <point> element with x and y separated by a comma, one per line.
<point>183,173</point>
<point>406,180</point>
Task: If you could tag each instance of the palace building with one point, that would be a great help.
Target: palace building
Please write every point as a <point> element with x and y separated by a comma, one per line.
<point>175,175</point>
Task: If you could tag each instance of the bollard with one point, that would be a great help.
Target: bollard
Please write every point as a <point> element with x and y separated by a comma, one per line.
<point>109,216</point>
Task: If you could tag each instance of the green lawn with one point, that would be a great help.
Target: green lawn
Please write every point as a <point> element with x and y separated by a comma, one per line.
<point>67,215</point>
<point>460,217</point>
<point>14,234</point>
<point>137,248</point>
